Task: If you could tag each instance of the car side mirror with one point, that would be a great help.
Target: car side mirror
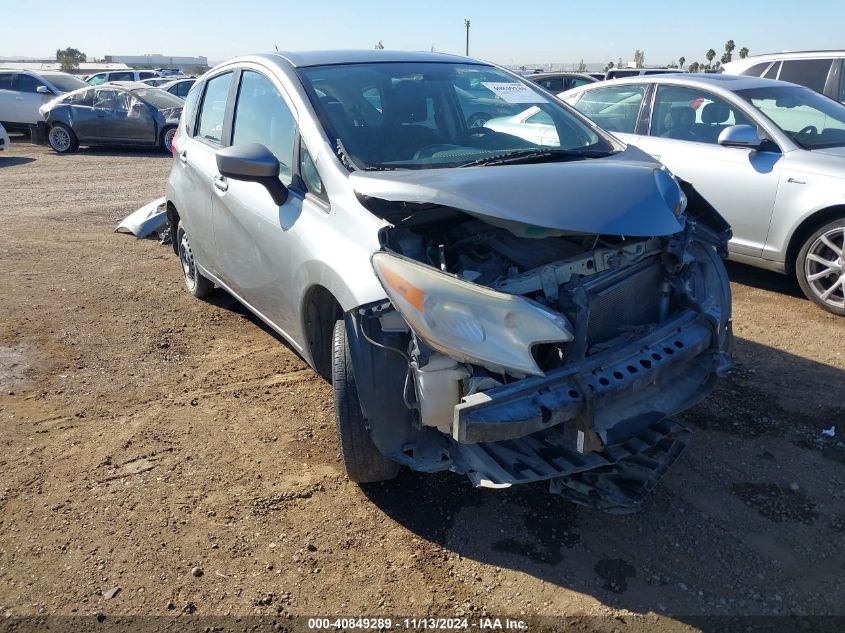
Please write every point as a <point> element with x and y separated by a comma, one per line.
<point>252,162</point>
<point>44,90</point>
<point>740,136</point>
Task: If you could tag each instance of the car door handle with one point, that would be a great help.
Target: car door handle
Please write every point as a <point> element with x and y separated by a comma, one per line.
<point>19,98</point>
<point>220,183</point>
<point>183,156</point>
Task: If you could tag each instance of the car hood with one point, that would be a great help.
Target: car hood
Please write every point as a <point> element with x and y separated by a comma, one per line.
<point>608,196</point>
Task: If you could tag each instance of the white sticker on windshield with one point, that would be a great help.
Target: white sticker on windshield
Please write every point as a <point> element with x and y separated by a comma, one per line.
<point>514,92</point>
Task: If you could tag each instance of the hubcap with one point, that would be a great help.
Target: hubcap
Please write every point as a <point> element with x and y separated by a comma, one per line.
<point>824,267</point>
<point>187,259</point>
<point>59,139</point>
<point>168,140</point>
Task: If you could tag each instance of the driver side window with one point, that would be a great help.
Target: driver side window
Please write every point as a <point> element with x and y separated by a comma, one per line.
<point>690,114</point>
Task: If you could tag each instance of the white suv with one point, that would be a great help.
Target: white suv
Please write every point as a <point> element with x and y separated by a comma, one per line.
<point>817,70</point>
<point>22,92</point>
<point>121,75</point>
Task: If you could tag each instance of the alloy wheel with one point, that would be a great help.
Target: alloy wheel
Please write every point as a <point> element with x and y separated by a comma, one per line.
<point>824,267</point>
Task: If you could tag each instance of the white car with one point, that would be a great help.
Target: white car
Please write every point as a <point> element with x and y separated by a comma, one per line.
<point>4,138</point>
<point>817,70</point>
<point>121,75</point>
<point>23,92</point>
<point>769,155</point>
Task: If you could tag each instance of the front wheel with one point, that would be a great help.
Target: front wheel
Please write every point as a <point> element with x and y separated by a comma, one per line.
<point>197,284</point>
<point>362,461</point>
<point>62,139</point>
<point>820,267</point>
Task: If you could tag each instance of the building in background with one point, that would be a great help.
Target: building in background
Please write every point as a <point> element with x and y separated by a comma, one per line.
<point>85,68</point>
<point>157,60</point>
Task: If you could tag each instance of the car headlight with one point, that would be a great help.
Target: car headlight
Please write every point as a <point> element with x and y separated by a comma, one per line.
<point>468,322</point>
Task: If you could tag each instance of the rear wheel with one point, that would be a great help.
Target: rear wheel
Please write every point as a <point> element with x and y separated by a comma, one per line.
<point>167,136</point>
<point>820,267</point>
<point>62,139</point>
<point>362,461</point>
<point>197,284</point>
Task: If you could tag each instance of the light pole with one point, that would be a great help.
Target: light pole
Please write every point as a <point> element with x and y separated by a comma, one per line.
<point>466,24</point>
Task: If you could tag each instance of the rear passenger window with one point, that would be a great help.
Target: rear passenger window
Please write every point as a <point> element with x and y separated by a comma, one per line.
<point>262,116</point>
<point>6,81</point>
<point>614,108</point>
<point>128,76</point>
<point>210,125</point>
<point>806,72</point>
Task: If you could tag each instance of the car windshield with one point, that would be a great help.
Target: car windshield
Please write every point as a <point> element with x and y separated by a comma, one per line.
<point>410,115</point>
<point>812,120</point>
<point>158,98</point>
<point>64,82</point>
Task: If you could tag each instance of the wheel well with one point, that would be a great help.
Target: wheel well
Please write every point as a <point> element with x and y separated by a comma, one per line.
<point>173,219</point>
<point>320,311</point>
<point>810,224</point>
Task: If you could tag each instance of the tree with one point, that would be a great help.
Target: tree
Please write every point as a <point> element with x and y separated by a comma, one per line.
<point>681,61</point>
<point>432,49</point>
<point>639,58</point>
<point>582,66</point>
<point>619,63</point>
<point>710,55</point>
<point>729,49</point>
<point>380,46</point>
<point>70,58</point>
<point>743,52</point>
<point>694,67</point>
<point>608,67</point>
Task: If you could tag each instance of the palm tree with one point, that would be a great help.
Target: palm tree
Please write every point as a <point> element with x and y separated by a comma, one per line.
<point>743,52</point>
<point>710,55</point>
<point>681,61</point>
<point>729,49</point>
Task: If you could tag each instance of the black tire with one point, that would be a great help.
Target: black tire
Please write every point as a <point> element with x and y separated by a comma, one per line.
<point>166,141</point>
<point>362,461</point>
<point>62,140</point>
<point>826,244</point>
<point>195,282</point>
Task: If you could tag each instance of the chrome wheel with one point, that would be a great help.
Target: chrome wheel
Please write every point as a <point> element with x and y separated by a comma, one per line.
<point>824,267</point>
<point>168,140</point>
<point>186,257</point>
<point>59,139</point>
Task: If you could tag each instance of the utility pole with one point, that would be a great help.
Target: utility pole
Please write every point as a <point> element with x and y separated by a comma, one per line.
<point>466,24</point>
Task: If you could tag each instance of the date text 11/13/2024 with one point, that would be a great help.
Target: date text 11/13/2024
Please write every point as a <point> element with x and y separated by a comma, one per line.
<point>422,623</point>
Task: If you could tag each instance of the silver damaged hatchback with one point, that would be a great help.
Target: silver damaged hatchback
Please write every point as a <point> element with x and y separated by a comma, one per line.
<point>514,310</point>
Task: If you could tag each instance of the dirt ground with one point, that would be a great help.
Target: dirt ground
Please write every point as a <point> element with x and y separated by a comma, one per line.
<point>144,433</point>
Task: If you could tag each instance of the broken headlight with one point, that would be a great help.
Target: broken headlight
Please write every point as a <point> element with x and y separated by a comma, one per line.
<point>468,322</point>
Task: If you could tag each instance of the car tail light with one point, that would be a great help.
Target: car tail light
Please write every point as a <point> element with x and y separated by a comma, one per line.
<point>173,142</point>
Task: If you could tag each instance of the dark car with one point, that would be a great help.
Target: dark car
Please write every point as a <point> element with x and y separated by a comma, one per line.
<point>179,87</point>
<point>558,82</point>
<point>120,113</point>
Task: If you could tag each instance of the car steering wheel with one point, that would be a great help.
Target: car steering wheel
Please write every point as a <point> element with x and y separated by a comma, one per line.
<point>808,129</point>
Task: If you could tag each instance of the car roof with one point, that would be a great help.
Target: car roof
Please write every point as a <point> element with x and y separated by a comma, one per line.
<point>303,59</point>
<point>126,85</point>
<point>726,82</point>
<point>560,73</point>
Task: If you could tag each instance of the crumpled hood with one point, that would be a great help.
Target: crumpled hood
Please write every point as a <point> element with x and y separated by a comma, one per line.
<point>613,196</point>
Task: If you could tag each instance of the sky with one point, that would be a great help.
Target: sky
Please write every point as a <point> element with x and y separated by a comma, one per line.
<point>505,32</point>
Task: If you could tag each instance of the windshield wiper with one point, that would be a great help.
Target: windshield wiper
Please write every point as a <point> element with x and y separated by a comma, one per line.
<point>535,156</point>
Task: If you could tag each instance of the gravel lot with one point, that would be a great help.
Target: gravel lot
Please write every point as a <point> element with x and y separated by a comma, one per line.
<point>145,433</point>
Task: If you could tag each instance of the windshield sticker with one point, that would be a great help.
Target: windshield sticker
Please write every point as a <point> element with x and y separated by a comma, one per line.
<point>513,92</point>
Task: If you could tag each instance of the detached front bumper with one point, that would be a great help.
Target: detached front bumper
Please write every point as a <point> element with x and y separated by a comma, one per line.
<point>615,394</point>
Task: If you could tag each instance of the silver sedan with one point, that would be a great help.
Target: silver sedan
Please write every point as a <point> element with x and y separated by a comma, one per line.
<point>769,155</point>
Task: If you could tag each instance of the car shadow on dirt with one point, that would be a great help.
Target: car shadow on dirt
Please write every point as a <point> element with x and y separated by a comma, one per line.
<point>13,161</point>
<point>764,279</point>
<point>748,510</point>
